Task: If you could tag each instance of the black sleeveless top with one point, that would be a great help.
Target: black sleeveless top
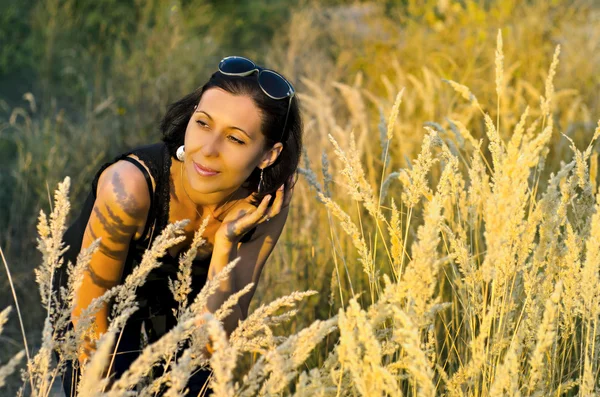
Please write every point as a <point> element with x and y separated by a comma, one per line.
<point>154,298</point>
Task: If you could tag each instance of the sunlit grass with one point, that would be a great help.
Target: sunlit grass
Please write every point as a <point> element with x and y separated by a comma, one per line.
<point>489,245</point>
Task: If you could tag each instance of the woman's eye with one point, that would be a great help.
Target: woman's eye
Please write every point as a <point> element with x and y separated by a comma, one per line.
<point>235,140</point>
<point>232,138</point>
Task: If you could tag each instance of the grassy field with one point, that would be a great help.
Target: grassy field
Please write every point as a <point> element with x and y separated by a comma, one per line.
<point>446,216</point>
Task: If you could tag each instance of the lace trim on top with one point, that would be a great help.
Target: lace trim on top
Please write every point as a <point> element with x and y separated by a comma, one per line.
<point>156,157</point>
<point>164,192</point>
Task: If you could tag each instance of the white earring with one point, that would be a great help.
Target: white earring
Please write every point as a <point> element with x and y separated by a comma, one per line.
<point>180,153</point>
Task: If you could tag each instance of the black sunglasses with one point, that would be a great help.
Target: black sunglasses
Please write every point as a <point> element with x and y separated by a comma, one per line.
<point>273,84</point>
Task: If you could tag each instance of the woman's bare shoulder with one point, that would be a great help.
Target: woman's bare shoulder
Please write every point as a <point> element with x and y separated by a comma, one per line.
<point>123,186</point>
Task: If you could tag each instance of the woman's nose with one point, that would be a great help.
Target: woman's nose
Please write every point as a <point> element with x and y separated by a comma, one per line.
<point>211,145</point>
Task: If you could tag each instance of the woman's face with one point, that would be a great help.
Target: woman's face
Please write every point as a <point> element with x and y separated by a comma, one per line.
<point>223,142</point>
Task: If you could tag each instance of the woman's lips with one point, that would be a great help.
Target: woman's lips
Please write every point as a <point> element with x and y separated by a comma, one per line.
<point>204,171</point>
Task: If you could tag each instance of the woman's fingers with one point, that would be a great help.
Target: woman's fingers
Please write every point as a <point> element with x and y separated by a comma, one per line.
<point>261,210</point>
<point>247,216</point>
<point>250,219</point>
<point>277,203</point>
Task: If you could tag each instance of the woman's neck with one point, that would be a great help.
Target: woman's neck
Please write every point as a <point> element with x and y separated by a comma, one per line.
<point>217,203</point>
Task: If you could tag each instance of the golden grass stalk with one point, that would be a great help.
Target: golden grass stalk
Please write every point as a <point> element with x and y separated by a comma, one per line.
<point>180,373</point>
<point>263,318</point>
<point>517,137</point>
<point>7,369</point>
<point>397,241</point>
<point>507,379</point>
<point>590,272</point>
<point>546,337</point>
<point>280,362</point>
<point>93,379</point>
<point>499,66</point>
<point>181,287</point>
<point>394,115</point>
<point>150,356</point>
<point>283,362</point>
<point>570,274</point>
<point>549,92</point>
<point>496,144</point>
<point>4,317</point>
<point>222,361</point>
<point>50,242</point>
<point>75,273</point>
<point>420,276</point>
<point>359,353</point>
<point>464,91</point>
<point>51,246</point>
<point>39,367</point>
<point>357,184</point>
<point>469,371</point>
<point>587,383</point>
<point>463,132</point>
<point>227,307</point>
<point>352,230</point>
<point>14,294</point>
<point>406,333</point>
<point>415,180</point>
<point>310,385</point>
<point>198,305</point>
<point>61,319</point>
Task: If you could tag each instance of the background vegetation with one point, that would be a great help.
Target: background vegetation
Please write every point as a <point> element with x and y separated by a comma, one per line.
<point>81,81</point>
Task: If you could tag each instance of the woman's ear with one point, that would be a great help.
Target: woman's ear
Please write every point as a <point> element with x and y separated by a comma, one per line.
<point>271,155</point>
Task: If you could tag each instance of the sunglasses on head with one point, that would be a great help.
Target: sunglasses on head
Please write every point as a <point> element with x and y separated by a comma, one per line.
<point>273,84</point>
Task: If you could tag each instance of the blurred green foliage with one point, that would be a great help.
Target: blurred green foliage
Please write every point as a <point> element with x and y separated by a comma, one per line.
<point>15,36</point>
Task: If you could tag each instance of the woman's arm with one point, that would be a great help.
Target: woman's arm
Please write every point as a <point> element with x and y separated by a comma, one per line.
<point>119,213</point>
<point>253,255</point>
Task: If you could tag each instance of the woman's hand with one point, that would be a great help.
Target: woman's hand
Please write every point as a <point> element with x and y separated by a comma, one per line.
<point>244,215</point>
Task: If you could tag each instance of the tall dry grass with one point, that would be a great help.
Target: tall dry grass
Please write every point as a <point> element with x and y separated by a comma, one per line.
<point>463,273</point>
<point>348,63</point>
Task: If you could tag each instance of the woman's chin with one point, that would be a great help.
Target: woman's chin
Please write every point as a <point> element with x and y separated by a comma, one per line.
<point>204,188</point>
<point>208,188</point>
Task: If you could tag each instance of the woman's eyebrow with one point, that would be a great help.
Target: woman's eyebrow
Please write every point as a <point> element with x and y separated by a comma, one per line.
<point>234,127</point>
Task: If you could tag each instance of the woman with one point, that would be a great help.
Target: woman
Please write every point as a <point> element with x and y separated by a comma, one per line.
<point>229,151</point>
